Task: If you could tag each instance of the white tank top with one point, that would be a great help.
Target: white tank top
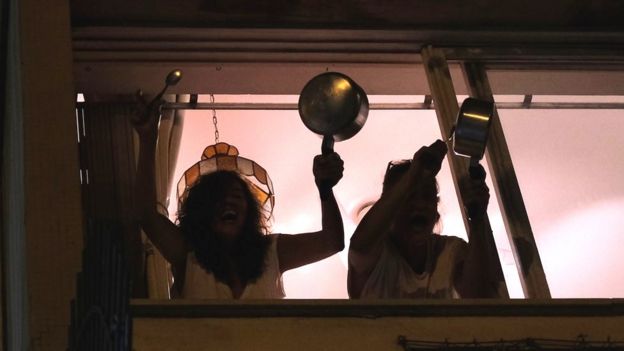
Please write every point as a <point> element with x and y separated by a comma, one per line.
<point>393,277</point>
<point>199,284</point>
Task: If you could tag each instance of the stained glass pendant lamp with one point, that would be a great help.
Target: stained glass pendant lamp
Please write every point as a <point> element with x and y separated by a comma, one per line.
<point>225,157</point>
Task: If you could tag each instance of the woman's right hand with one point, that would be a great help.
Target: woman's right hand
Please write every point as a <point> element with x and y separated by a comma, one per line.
<point>430,157</point>
<point>146,115</point>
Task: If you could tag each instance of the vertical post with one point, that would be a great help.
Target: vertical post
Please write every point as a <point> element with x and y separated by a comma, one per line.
<point>14,273</point>
<point>446,107</point>
<point>41,187</point>
<point>514,213</point>
<point>4,36</point>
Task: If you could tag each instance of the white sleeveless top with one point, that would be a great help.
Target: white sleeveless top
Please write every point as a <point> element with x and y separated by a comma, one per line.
<point>393,277</point>
<point>199,284</point>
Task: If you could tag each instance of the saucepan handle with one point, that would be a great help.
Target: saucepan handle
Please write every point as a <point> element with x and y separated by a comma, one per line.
<point>327,147</point>
<point>476,172</point>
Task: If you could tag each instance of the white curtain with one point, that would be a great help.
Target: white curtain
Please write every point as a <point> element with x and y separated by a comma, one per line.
<point>159,277</point>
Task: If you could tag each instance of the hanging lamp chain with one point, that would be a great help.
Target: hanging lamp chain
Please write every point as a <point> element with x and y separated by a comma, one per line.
<point>214,119</point>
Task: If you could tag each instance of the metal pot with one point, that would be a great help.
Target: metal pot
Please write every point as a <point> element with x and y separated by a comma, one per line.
<point>472,128</point>
<point>334,106</point>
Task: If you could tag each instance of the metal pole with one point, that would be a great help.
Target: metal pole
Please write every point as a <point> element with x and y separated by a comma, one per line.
<point>260,106</point>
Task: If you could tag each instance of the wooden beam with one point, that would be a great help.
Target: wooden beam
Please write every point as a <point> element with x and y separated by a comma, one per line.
<point>510,200</point>
<point>446,106</point>
<point>377,309</point>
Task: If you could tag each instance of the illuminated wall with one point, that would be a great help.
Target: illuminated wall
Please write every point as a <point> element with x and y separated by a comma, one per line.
<point>568,167</point>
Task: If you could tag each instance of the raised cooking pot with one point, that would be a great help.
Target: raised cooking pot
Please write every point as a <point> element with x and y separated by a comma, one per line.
<point>472,128</point>
<point>333,106</point>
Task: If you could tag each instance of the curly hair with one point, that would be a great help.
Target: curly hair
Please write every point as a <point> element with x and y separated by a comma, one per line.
<point>195,217</point>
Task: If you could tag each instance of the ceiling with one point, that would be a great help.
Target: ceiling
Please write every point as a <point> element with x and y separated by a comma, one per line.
<point>387,14</point>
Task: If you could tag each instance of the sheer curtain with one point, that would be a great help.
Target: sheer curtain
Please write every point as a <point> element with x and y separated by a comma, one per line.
<point>159,277</point>
<point>108,153</point>
<point>107,172</point>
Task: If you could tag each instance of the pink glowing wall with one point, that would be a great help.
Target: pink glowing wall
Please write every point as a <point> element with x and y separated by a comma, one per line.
<point>568,164</point>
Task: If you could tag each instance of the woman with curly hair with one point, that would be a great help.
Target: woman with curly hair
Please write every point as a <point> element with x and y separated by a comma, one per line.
<point>221,248</point>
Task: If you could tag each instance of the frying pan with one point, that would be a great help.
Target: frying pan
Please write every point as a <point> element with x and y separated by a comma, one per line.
<point>334,106</point>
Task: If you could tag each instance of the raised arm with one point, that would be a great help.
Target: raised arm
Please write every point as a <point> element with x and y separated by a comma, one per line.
<point>475,277</point>
<point>159,229</point>
<point>369,236</point>
<point>301,249</point>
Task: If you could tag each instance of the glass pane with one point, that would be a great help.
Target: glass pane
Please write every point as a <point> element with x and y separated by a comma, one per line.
<point>569,166</point>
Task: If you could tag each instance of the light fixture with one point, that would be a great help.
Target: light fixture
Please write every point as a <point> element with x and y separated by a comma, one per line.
<point>225,157</point>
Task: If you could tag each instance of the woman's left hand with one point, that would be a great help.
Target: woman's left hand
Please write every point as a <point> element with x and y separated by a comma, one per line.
<point>327,169</point>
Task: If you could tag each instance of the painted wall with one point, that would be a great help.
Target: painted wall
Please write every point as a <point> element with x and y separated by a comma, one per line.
<point>41,200</point>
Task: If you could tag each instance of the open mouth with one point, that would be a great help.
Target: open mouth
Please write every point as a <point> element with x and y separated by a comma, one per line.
<point>229,215</point>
